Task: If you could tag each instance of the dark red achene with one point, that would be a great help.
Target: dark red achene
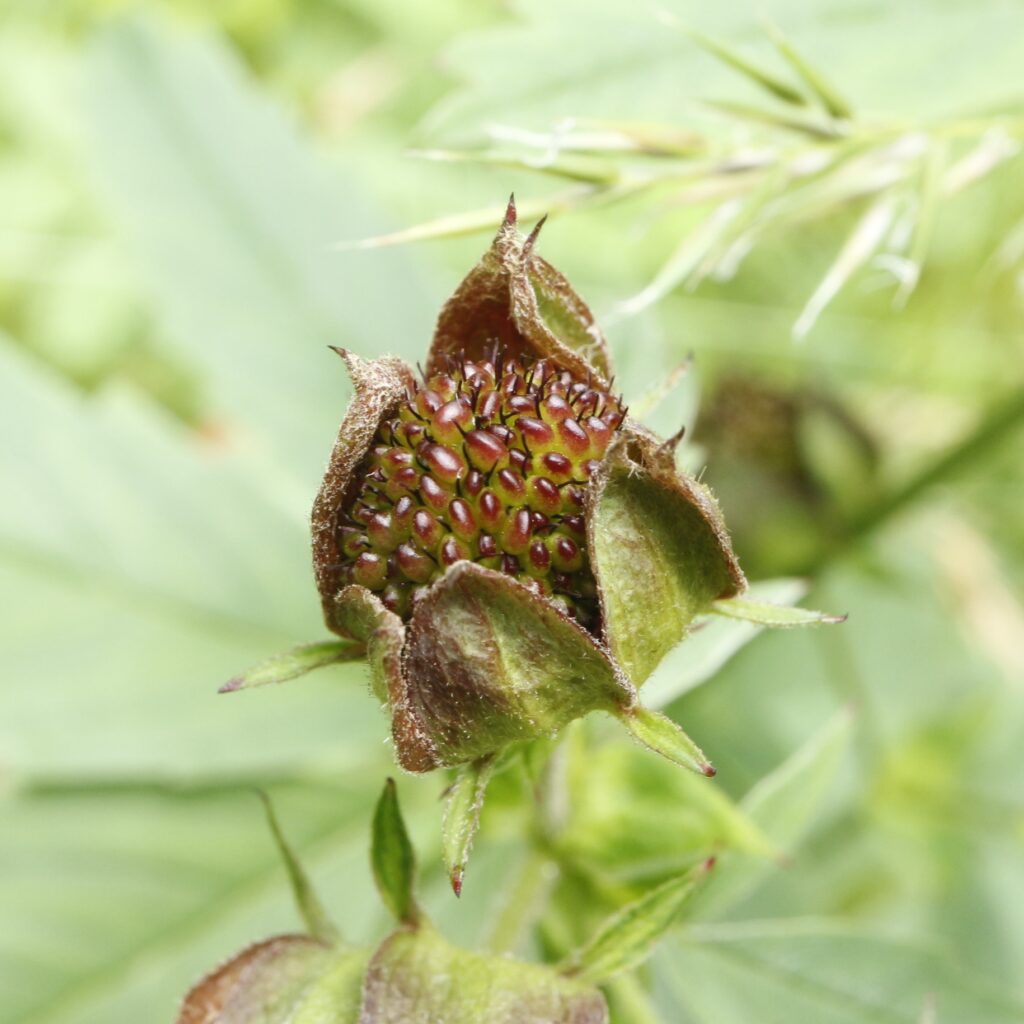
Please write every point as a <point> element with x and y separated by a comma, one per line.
<point>483,462</point>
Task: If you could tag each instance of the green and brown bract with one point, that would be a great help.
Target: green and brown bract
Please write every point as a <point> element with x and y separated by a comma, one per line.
<point>489,462</point>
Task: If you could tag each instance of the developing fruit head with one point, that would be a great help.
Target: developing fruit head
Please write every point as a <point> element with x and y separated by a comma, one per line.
<point>487,461</point>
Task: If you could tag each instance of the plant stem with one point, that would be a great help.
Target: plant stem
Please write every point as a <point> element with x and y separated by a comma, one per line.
<point>630,1001</point>
<point>522,902</point>
<point>995,427</point>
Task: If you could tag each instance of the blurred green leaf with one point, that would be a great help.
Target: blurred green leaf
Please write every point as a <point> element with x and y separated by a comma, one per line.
<point>394,863</point>
<point>638,819</point>
<point>311,910</point>
<point>711,644</point>
<point>783,804</point>
<point>821,971</point>
<point>153,889</point>
<point>470,223</point>
<point>914,61</point>
<point>627,938</point>
<point>236,255</point>
<point>160,567</point>
<point>862,243</point>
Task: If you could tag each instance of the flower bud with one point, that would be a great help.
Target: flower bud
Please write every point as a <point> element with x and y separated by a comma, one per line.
<point>507,546</point>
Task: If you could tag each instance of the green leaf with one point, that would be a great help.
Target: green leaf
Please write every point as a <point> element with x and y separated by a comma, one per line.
<point>685,259</point>
<point>638,819</point>
<point>462,816</point>
<point>787,119</point>
<point>764,614</point>
<point>394,863</point>
<point>628,937</point>
<point>196,564</point>
<point>659,733</point>
<point>295,663</point>
<point>573,167</point>
<point>819,970</point>
<point>782,805</point>
<point>489,218</point>
<point>156,886</point>
<point>311,910</point>
<point>933,168</point>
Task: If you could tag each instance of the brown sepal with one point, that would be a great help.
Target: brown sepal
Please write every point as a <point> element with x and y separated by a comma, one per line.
<point>210,997</point>
<point>487,662</point>
<point>378,387</point>
<point>517,300</point>
<point>360,613</point>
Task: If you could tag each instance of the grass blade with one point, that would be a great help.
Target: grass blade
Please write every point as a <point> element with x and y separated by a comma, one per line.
<point>779,88</point>
<point>488,218</point>
<point>684,260</point>
<point>591,170</point>
<point>862,244</point>
<point>819,85</point>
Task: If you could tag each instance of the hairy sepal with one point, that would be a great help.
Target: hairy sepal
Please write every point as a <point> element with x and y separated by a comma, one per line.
<point>514,298</point>
<point>416,977</point>
<point>378,386</point>
<point>659,550</point>
<point>362,615</point>
<point>488,663</point>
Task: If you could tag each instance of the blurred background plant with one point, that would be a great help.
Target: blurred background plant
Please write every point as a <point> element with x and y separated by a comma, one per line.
<point>829,221</point>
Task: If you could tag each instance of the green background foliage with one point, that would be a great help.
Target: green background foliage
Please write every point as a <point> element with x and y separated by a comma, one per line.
<point>174,178</point>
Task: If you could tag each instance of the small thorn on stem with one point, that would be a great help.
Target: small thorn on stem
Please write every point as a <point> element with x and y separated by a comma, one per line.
<point>343,352</point>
